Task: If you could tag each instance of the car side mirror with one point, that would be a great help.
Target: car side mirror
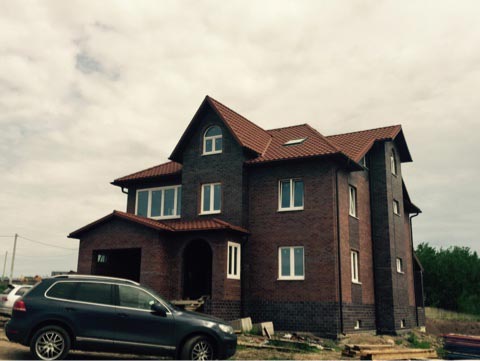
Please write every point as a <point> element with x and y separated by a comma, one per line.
<point>158,309</point>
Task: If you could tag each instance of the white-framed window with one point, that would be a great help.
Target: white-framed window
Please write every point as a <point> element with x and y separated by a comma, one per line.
<point>291,263</point>
<point>211,201</point>
<point>393,163</point>
<point>399,265</point>
<point>352,192</point>
<point>290,194</point>
<point>396,207</point>
<point>159,203</point>
<point>233,260</point>
<point>402,323</point>
<point>363,161</point>
<point>358,325</point>
<point>354,256</point>
<point>212,140</point>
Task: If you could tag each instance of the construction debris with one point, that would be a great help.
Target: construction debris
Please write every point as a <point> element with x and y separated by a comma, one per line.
<point>242,324</point>
<point>387,352</point>
<point>461,346</point>
<point>190,305</point>
<point>263,328</point>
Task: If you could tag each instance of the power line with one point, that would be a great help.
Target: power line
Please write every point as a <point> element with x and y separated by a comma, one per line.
<point>46,244</point>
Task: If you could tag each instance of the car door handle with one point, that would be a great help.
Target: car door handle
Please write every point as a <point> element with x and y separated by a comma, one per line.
<point>70,309</point>
<point>122,315</point>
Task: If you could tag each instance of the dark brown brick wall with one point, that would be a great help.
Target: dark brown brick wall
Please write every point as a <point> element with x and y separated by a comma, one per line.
<point>226,167</point>
<point>313,228</point>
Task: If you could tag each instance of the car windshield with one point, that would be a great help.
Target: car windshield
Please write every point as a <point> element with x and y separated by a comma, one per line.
<point>7,290</point>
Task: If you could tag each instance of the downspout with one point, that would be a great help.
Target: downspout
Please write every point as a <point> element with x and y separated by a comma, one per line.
<point>340,296</point>
<point>370,189</point>
<point>123,190</point>
<point>413,268</point>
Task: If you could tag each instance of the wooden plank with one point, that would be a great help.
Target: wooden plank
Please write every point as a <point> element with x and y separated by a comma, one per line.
<point>371,347</point>
<point>399,354</point>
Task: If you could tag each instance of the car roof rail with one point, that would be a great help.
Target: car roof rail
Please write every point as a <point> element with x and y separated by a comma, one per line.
<point>96,277</point>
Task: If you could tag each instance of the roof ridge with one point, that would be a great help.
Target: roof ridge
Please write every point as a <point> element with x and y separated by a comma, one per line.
<point>365,130</point>
<point>233,111</point>
<point>147,169</point>
<point>325,138</point>
<point>287,127</point>
<point>141,219</point>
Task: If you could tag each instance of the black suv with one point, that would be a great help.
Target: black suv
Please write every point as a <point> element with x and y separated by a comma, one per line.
<point>112,315</point>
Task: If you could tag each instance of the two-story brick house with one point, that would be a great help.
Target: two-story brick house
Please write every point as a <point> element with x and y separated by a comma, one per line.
<point>283,225</point>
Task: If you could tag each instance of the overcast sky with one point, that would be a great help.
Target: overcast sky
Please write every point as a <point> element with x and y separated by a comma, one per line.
<point>94,90</point>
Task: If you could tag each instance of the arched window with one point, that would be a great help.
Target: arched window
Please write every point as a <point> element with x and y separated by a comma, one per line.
<point>212,140</point>
<point>393,163</point>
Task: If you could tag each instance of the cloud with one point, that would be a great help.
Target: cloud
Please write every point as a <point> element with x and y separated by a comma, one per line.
<point>90,91</point>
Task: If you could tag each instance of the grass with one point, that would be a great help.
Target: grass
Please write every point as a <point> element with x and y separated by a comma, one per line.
<point>416,343</point>
<point>440,314</point>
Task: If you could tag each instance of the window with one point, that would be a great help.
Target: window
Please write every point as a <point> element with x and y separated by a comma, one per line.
<point>233,270</point>
<point>393,164</point>
<point>396,207</point>
<point>295,141</point>
<point>22,291</point>
<point>402,324</point>
<point>91,292</point>
<point>212,140</point>
<point>101,258</point>
<point>363,162</point>
<point>62,290</point>
<point>354,260</point>
<point>291,264</point>
<point>135,298</point>
<point>358,325</point>
<point>211,198</point>
<point>399,265</point>
<point>352,191</point>
<point>291,195</point>
<point>159,203</point>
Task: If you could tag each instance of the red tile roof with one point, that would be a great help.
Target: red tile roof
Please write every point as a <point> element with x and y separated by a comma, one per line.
<point>168,226</point>
<point>356,144</point>
<point>168,168</point>
<point>315,144</point>
<point>248,134</point>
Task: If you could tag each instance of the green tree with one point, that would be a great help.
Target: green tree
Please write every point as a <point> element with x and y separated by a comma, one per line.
<point>451,277</point>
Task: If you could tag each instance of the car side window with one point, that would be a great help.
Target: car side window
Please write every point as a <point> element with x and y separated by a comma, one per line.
<point>21,291</point>
<point>134,298</point>
<point>92,292</point>
<point>63,290</point>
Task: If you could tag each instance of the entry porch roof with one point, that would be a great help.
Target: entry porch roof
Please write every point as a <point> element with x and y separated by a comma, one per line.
<point>166,226</point>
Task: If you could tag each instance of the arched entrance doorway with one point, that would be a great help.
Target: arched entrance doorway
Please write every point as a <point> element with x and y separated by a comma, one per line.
<point>197,270</point>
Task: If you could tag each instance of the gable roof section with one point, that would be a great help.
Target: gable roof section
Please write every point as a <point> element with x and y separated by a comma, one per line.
<point>315,144</point>
<point>408,204</point>
<point>357,144</point>
<point>164,169</point>
<point>246,133</point>
<point>165,226</point>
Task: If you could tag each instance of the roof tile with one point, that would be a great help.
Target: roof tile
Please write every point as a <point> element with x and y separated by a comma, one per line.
<point>168,168</point>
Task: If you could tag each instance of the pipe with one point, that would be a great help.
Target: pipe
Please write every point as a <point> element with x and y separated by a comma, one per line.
<point>413,267</point>
<point>340,295</point>
<point>123,190</point>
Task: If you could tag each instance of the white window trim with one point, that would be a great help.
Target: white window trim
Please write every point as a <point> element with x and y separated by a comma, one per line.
<point>292,201</point>
<point>149,204</point>
<point>396,204</point>
<point>213,138</point>
<point>399,262</point>
<point>358,325</point>
<point>239,253</point>
<point>212,197</point>
<point>393,164</point>
<point>352,200</point>
<point>355,266</point>
<point>292,276</point>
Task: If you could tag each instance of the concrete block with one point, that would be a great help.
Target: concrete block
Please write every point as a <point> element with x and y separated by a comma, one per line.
<point>242,324</point>
<point>259,328</point>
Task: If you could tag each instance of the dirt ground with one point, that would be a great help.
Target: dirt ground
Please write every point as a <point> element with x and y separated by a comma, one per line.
<point>440,327</point>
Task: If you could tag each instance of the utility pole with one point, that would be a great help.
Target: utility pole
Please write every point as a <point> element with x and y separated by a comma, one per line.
<point>4,265</point>
<point>13,257</point>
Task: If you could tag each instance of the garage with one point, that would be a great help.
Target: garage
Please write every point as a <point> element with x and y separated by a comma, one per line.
<point>122,263</point>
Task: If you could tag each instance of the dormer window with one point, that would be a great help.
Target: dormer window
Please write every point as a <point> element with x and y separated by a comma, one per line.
<point>212,140</point>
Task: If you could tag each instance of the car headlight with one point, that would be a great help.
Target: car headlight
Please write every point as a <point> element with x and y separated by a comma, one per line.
<point>226,328</point>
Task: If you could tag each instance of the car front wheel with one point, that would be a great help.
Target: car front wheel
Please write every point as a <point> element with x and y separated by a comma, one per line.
<point>50,343</point>
<point>198,348</point>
